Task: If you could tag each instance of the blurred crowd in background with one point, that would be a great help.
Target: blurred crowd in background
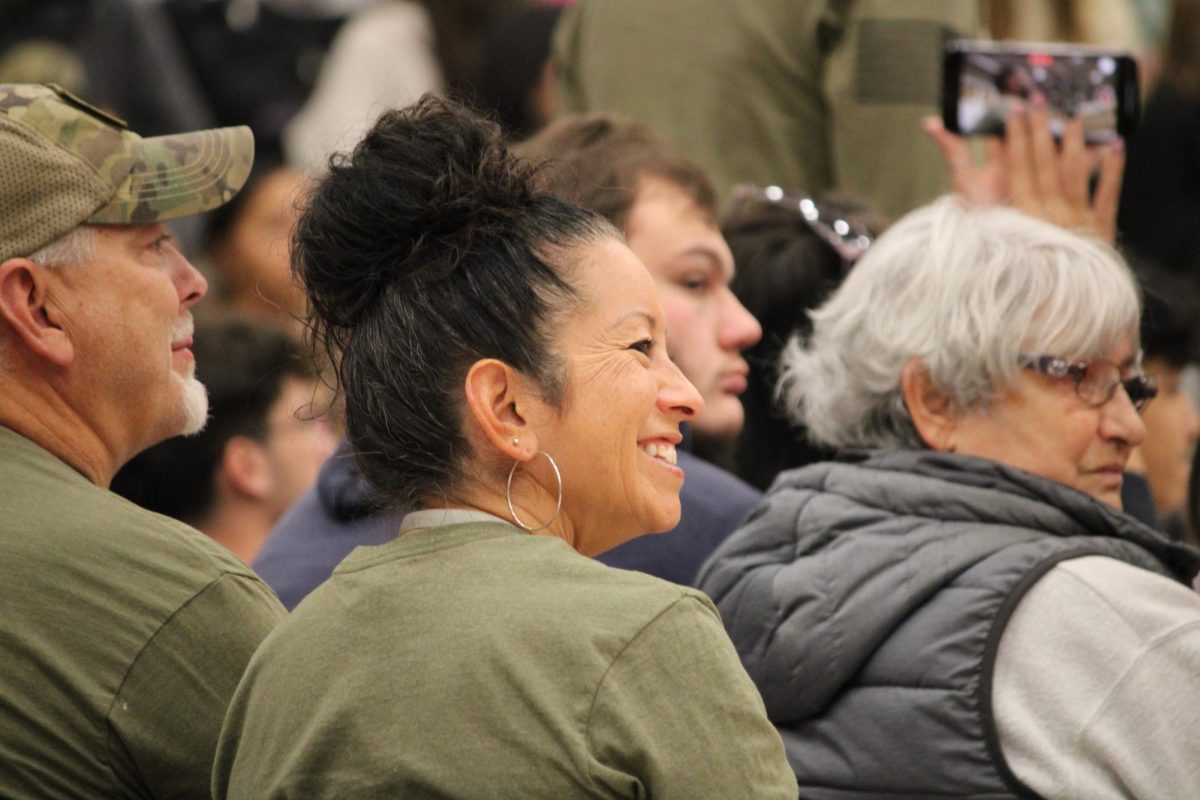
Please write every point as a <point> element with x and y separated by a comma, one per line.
<point>809,126</point>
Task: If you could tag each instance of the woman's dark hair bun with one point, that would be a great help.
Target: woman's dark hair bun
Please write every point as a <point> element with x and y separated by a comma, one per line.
<point>418,193</point>
<point>423,251</point>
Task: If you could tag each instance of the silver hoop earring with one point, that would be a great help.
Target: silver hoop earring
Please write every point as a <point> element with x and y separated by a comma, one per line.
<point>557,507</point>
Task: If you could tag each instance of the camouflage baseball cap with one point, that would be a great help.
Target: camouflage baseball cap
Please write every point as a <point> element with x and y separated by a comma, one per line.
<point>63,163</point>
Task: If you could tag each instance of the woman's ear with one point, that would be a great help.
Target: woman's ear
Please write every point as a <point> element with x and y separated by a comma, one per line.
<point>496,401</point>
<point>933,414</point>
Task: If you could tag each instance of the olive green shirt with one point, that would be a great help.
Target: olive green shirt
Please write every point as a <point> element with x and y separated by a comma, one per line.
<point>477,661</point>
<point>807,94</point>
<point>122,637</point>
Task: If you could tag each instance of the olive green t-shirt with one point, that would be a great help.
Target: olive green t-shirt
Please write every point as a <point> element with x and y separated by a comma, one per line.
<point>477,661</point>
<point>122,637</point>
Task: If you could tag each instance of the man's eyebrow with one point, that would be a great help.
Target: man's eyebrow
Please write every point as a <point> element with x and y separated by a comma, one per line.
<point>708,253</point>
<point>702,250</point>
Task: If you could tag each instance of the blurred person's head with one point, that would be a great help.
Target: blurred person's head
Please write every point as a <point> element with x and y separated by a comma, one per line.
<point>1169,342</point>
<point>262,447</point>
<point>785,269</point>
<point>460,33</point>
<point>982,333</point>
<point>498,348</point>
<point>248,244</point>
<point>668,210</point>
<point>515,78</point>
<point>95,297</point>
<point>1181,53</point>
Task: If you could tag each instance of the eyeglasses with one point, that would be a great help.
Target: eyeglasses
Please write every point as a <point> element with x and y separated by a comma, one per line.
<point>839,226</point>
<point>1096,381</point>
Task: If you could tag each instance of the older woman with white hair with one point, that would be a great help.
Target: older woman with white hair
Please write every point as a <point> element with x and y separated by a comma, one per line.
<point>957,606</point>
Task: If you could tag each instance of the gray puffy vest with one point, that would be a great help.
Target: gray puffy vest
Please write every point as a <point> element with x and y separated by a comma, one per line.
<point>867,599</point>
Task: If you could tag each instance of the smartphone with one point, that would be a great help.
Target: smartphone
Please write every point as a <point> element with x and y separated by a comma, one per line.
<point>982,80</point>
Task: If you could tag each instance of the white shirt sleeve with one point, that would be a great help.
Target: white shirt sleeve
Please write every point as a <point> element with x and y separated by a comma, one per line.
<point>383,58</point>
<point>1096,689</point>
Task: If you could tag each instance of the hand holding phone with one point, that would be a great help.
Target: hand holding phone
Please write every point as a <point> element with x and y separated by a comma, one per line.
<point>1031,172</point>
<point>984,81</point>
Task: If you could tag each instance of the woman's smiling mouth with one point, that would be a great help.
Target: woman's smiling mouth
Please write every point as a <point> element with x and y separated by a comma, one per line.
<point>660,451</point>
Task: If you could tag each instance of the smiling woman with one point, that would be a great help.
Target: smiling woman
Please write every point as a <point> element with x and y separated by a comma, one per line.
<point>502,358</point>
<point>615,429</point>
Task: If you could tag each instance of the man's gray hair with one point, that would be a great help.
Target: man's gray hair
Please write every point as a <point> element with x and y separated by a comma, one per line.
<point>73,247</point>
<point>965,293</point>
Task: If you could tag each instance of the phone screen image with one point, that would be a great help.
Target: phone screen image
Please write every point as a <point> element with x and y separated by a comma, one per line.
<point>989,82</point>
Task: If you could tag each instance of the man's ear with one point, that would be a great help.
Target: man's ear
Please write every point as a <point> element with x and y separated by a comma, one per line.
<point>245,469</point>
<point>24,308</point>
<point>933,414</point>
<point>496,401</point>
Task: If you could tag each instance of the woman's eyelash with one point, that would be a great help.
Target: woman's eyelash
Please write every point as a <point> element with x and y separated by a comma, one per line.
<point>644,346</point>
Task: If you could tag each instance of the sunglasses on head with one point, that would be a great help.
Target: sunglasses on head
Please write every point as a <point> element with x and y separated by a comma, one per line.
<point>843,229</point>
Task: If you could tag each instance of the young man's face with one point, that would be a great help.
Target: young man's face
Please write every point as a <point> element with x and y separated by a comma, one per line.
<point>707,328</point>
